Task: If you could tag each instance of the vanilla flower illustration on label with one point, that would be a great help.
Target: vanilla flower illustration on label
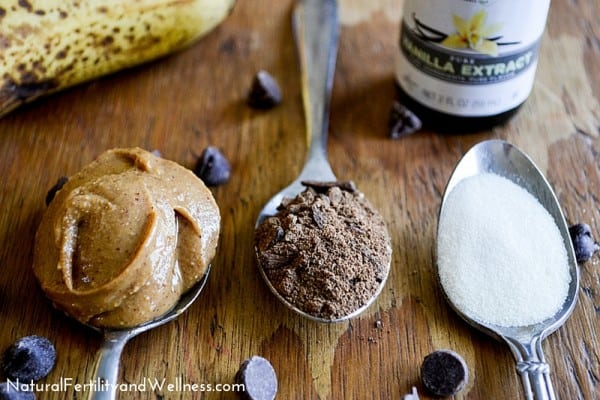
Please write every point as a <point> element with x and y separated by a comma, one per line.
<point>470,34</point>
<point>473,34</point>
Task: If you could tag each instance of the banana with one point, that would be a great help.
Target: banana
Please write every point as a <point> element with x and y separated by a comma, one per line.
<point>49,45</point>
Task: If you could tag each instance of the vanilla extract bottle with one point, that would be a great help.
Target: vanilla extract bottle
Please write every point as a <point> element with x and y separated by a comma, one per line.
<point>468,65</point>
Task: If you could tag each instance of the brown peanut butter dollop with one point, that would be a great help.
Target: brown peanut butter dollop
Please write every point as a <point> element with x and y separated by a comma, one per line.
<point>124,238</point>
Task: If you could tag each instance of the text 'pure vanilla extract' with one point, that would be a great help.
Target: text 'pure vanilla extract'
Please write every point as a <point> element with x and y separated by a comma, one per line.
<point>467,65</point>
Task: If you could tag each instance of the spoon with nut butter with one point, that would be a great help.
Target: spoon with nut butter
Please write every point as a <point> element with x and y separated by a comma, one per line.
<point>333,263</point>
<point>124,246</point>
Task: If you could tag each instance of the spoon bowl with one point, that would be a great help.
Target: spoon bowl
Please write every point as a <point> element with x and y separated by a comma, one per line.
<point>501,158</point>
<point>106,366</point>
<point>315,26</point>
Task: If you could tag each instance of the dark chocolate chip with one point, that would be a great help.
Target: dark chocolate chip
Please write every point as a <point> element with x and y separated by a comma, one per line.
<point>259,379</point>
<point>402,121</point>
<point>264,92</point>
<point>323,187</point>
<point>54,189</point>
<point>318,217</point>
<point>444,373</point>
<point>12,391</point>
<point>212,167</point>
<point>275,261</point>
<point>30,358</point>
<point>583,242</point>
<point>279,234</point>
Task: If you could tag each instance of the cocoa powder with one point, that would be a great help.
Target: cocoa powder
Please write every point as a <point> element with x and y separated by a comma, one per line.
<point>327,251</point>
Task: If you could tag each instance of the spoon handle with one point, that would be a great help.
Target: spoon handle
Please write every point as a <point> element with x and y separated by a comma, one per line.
<point>106,366</point>
<point>315,25</point>
<point>534,371</point>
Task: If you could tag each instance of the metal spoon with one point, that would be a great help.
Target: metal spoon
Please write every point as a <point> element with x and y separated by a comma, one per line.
<point>106,366</point>
<point>315,25</point>
<point>316,32</point>
<point>525,342</point>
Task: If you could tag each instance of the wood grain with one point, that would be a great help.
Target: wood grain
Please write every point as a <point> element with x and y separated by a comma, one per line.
<point>195,98</point>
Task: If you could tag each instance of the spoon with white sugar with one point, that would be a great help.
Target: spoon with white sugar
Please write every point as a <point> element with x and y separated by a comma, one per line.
<point>505,259</point>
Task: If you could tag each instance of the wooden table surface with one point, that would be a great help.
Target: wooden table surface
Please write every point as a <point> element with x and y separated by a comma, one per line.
<point>195,98</point>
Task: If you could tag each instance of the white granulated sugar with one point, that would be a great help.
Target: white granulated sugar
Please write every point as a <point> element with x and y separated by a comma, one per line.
<point>501,258</point>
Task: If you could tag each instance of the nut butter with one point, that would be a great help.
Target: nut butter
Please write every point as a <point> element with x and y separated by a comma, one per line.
<point>124,238</point>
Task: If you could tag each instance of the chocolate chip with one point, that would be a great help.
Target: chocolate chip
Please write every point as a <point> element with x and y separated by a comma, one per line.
<point>12,391</point>
<point>402,121</point>
<point>444,373</point>
<point>318,217</point>
<point>54,189</point>
<point>264,92</point>
<point>30,358</point>
<point>259,379</point>
<point>323,187</point>
<point>583,242</point>
<point>212,167</point>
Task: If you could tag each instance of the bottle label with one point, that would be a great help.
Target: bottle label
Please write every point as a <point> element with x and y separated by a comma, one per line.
<point>470,58</point>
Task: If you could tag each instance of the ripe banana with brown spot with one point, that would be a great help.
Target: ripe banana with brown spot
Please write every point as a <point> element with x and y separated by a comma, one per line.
<point>48,45</point>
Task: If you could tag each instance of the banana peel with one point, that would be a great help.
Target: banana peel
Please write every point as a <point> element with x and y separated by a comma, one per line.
<point>49,45</point>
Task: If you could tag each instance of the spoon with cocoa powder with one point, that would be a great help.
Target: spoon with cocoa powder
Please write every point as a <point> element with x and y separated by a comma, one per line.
<point>322,248</point>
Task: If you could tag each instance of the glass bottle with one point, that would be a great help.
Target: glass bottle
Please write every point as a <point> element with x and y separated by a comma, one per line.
<point>467,65</point>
